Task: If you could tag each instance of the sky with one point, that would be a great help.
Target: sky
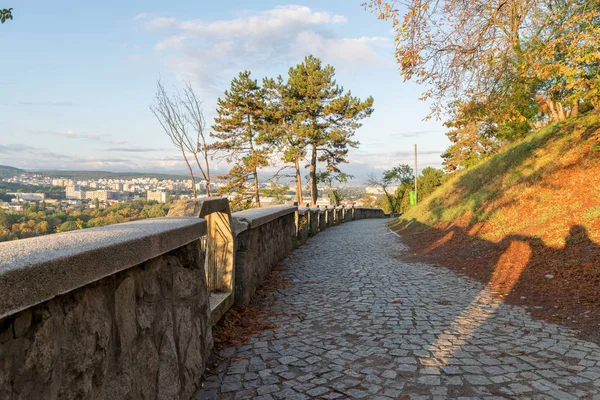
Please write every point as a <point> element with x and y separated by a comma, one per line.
<point>77,79</point>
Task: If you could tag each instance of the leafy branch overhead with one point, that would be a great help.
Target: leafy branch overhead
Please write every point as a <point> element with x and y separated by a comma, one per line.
<point>5,14</point>
<point>500,68</point>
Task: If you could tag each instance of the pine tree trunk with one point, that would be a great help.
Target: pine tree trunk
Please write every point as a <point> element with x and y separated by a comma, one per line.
<point>256,188</point>
<point>298,184</point>
<point>314,192</point>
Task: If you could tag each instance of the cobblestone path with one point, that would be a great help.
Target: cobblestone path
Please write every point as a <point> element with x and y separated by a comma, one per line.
<point>360,324</point>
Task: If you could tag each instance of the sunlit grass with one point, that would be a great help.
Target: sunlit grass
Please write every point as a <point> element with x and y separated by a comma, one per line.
<point>531,183</point>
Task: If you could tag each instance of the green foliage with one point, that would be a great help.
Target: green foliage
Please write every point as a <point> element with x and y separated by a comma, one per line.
<point>278,192</point>
<point>330,178</point>
<point>40,220</point>
<point>67,226</point>
<point>399,201</point>
<point>52,192</point>
<point>429,180</point>
<point>5,14</point>
<point>402,175</point>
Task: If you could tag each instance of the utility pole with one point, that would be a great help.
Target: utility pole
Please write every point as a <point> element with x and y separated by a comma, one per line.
<point>416,177</point>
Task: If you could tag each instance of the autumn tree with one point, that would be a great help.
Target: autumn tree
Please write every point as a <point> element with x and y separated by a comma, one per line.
<point>326,117</point>
<point>239,129</point>
<point>473,135</point>
<point>565,58</point>
<point>490,50</point>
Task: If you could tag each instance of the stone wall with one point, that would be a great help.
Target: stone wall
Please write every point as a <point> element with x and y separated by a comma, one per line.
<point>264,237</point>
<point>303,226</point>
<point>123,311</point>
<point>142,332</point>
<point>364,213</point>
<point>313,221</point>
<point>322,219</point>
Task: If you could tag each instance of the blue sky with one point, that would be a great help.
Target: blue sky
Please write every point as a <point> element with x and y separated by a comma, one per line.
<point>76,78</point>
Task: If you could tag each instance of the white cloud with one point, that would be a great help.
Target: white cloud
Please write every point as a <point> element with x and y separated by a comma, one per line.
<point>262,24</point>
<point>207,53</point>
<point>353,50</point>
<point>142,16</point>
<point>338,19</point>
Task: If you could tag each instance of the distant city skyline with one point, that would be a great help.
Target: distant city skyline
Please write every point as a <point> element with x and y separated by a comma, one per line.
<point>75,92</point>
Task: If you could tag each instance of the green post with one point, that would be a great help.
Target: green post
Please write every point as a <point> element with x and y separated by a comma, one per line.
<point>413,198</point>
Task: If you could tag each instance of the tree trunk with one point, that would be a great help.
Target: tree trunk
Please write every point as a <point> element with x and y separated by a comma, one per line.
<point>207,177</point>
<point>560,110</point>
<point>252,154</point>
<point>191,173</point>
<point>575,110</point>
<point>552,109</point>
<point>204,174</point>
<point>298,184</point>
<point>314,191</point>
<point>256,188</point>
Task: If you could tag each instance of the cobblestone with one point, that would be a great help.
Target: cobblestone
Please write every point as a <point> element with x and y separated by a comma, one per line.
<point>373,327</point>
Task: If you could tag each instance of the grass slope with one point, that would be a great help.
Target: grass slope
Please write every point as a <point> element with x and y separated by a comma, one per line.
<point>527,213</point>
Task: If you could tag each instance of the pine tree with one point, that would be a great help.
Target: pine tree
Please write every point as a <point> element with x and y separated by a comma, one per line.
<point>324,116</point>
<point>239,129</point>
<point>284,130</point>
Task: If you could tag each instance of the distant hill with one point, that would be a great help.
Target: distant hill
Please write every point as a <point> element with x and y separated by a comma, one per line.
<point>526,222</point>
<point>85,175</point>
<point>8,172</point>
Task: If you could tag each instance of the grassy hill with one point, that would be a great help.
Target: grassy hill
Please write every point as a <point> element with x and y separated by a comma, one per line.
<point>526,222</point>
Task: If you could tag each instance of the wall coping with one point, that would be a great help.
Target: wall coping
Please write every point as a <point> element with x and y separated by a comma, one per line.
<point>255,217</point>
<point>200,207</point>
<point>303,210</point>
<point>37,269</point>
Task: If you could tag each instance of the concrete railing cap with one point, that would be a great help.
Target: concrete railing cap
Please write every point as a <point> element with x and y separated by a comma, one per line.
<point>37,269</point>
<point>303,210</point>
<point>255,217</point>
<point>200,207</point>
